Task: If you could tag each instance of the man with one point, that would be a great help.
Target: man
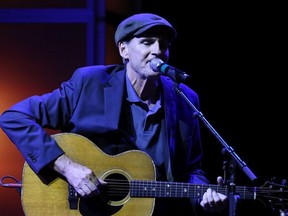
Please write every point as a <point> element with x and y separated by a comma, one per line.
<point>119,108</point>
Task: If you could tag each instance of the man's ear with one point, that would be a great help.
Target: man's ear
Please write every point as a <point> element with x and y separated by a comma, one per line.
<point>122,47</point>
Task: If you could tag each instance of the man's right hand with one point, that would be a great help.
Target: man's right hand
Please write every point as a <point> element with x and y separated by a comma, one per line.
<point>80,177</point>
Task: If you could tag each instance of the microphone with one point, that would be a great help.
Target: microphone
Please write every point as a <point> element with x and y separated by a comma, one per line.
<point>157,65</point>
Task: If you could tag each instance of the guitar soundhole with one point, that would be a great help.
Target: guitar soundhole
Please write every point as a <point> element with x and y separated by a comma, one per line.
<point>117,188</point>
<point>113,197</point>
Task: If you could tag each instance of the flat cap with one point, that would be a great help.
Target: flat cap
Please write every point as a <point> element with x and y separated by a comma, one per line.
<point>139,23</point>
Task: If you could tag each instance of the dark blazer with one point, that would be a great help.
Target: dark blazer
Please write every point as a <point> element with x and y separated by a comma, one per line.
<point>90,104</point>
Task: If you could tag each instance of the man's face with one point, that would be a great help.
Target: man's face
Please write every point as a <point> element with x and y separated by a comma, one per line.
<point>142,49</point>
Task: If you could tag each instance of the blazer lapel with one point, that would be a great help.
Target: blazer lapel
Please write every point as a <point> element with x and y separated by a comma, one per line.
<point>170,113</point>
<point>113,97</point>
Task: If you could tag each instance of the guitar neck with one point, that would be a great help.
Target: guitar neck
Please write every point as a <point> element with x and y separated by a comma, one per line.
<point>139,188</point>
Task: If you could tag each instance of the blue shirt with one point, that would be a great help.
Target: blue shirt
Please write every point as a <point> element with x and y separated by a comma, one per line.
<point>149,130</point>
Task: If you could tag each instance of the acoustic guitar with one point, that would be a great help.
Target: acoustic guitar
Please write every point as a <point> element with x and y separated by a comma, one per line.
<point>131,185</point>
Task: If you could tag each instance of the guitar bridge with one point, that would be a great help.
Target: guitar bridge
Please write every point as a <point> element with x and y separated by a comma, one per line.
<point>72,197</point>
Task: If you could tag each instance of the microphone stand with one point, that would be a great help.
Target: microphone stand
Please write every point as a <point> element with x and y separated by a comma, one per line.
<point>233,197</point>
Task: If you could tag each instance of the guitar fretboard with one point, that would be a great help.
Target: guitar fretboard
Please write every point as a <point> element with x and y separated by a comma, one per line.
<point>139,188</point>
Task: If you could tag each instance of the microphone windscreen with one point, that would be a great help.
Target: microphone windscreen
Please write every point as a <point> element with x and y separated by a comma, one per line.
<point>155,64</point>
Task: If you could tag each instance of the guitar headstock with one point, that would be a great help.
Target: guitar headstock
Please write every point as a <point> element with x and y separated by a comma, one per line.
<point>275,195</point>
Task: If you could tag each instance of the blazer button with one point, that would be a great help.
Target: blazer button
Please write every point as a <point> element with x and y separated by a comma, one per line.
<point>33,159</point>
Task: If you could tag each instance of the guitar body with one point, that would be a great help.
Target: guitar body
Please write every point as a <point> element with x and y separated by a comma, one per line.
<point>52,199</point>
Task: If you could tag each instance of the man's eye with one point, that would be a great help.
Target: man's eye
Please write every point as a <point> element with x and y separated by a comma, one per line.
<point>147,42</point>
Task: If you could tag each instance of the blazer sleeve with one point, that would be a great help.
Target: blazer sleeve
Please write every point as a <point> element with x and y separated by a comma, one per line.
<point>24,124</point>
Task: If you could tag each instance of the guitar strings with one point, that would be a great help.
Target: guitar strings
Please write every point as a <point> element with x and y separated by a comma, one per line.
<point>143,188</point>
